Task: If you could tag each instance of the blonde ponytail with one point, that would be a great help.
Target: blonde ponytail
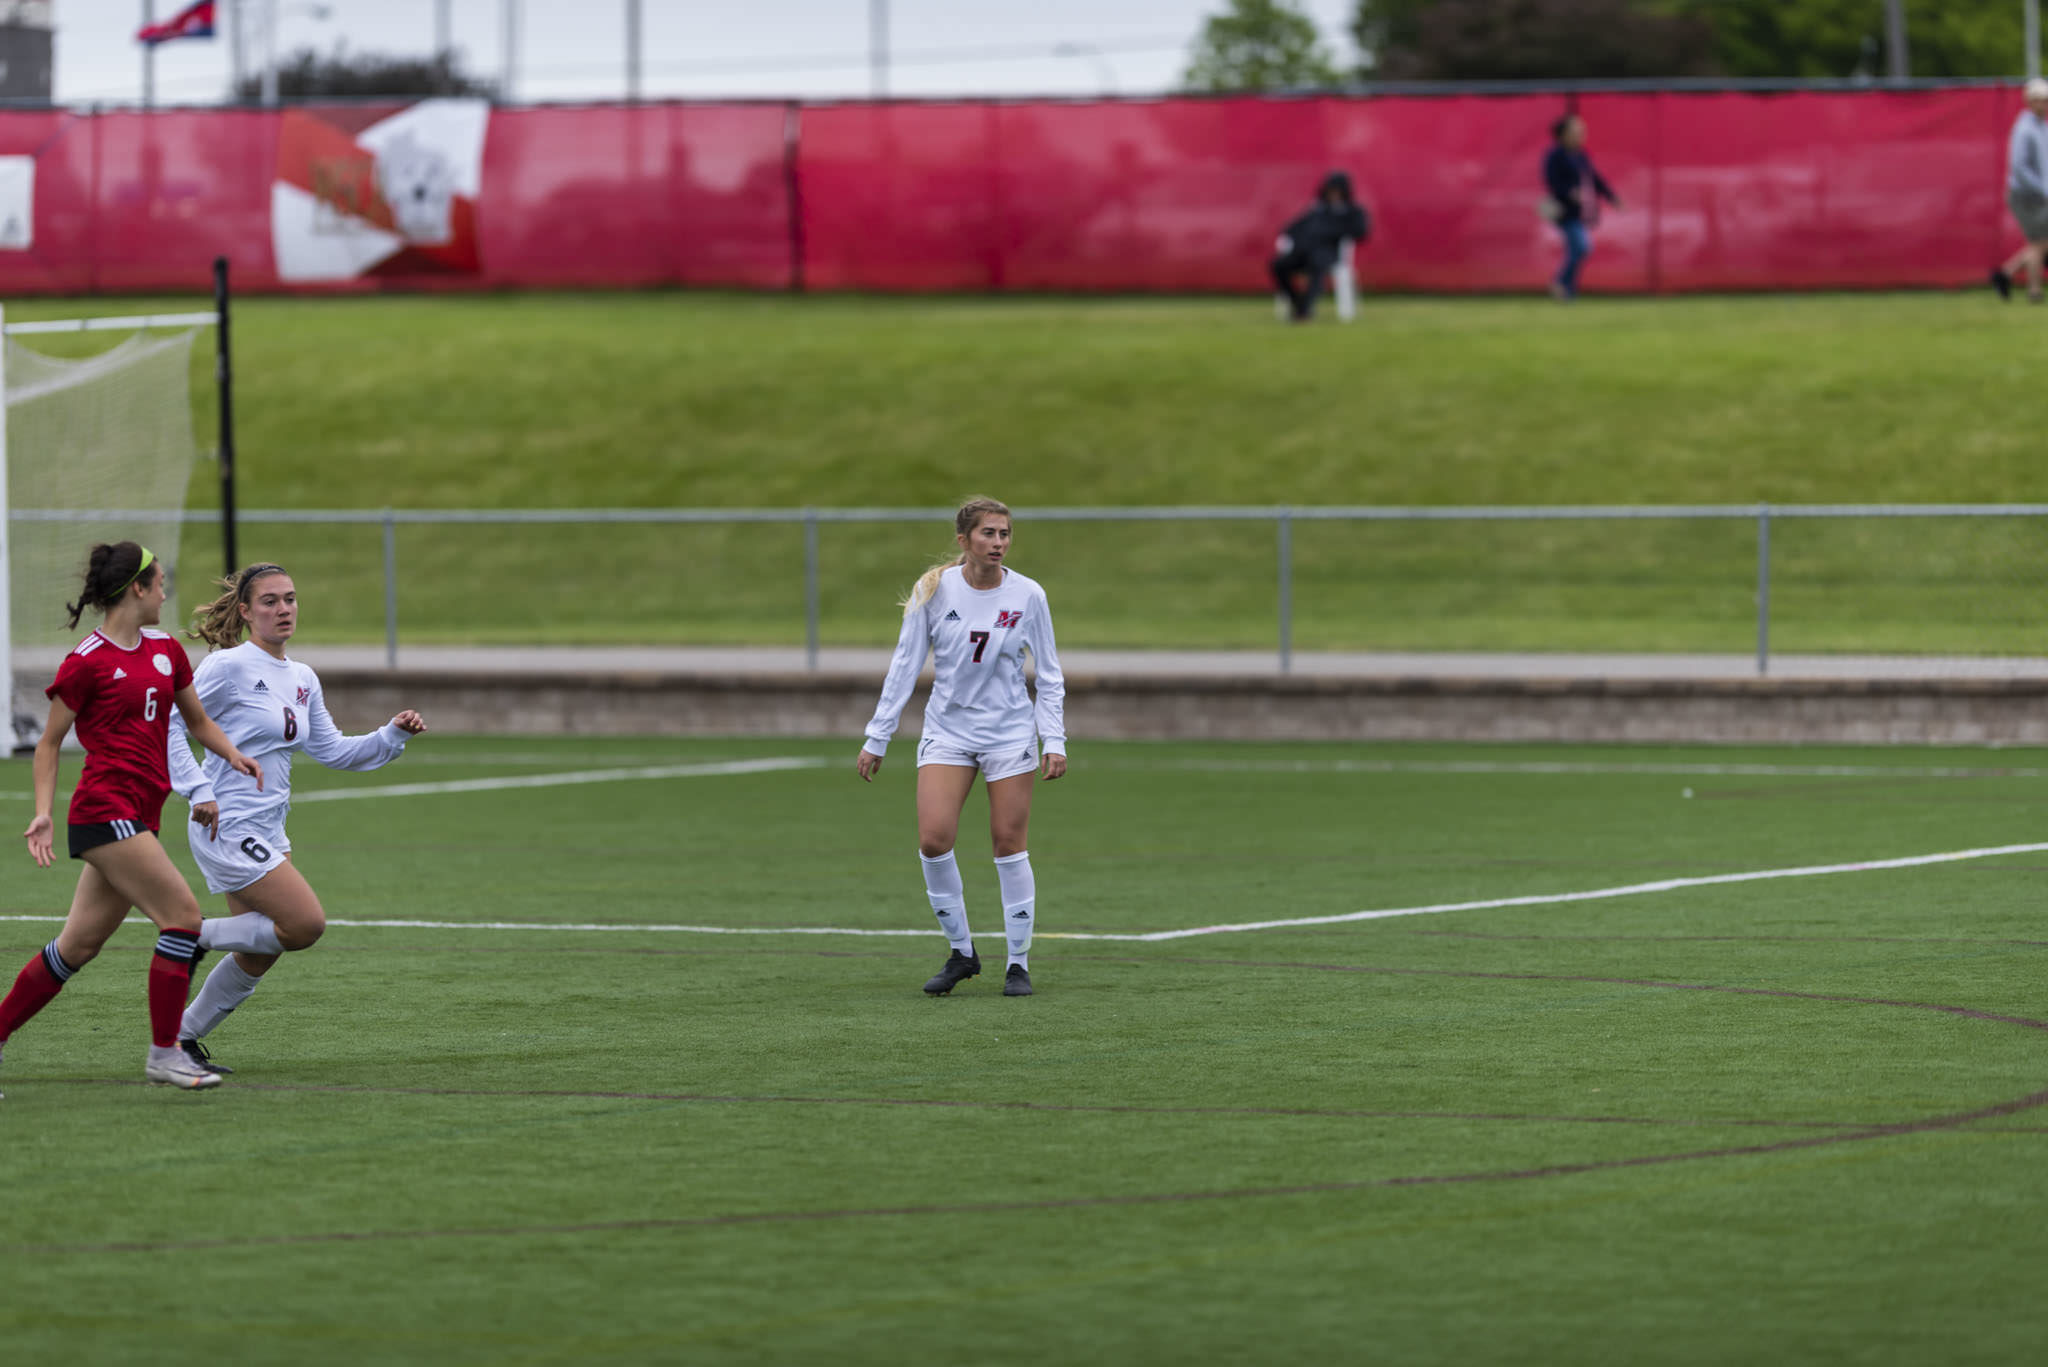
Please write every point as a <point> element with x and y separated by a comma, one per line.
<point>965,520</point>
<point>220,623</point>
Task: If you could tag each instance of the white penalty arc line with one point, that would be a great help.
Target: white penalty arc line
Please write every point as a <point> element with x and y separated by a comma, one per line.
<point>1236,928</point>
<point>1242,927</point>
<point>1561,768</point>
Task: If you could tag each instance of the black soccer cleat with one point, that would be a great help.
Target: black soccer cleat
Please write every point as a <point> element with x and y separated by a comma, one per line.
<point>1017,981</point>
<point>957,969</point>
<point>2001,282</point>
<point>196,1051</point>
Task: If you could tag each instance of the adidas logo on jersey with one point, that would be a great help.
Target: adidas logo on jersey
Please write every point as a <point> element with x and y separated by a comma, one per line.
<point>120,673</point>
<point>260,688</point>
<point>951,617</point>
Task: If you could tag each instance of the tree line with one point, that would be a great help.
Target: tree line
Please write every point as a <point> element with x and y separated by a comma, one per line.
<point>1256,45</point>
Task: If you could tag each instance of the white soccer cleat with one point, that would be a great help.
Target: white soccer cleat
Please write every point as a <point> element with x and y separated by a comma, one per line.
<point>171,1068</point>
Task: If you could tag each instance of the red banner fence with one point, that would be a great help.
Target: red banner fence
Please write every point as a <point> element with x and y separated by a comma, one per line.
<point>1804,190</point>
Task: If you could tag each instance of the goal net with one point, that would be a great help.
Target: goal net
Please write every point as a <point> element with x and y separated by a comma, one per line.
<point>94,448</point>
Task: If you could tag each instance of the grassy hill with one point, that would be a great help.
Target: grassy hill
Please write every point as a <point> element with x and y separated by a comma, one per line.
<point>741,401</point>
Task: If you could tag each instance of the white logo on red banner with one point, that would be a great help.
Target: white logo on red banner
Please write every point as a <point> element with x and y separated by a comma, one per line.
<point>363,193</point>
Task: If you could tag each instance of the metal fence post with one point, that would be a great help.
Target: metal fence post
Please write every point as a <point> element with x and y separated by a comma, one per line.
<point>1286,521</point>
<point>390,590</point>
<point>811,589</point>
<point>1763,589</point>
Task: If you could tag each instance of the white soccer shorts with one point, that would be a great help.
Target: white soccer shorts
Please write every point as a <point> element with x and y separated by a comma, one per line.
<point>241,853</point>
<point>1004,761</point>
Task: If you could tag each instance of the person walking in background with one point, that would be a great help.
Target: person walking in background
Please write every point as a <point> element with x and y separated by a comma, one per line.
<point>272,706</point>
<point>1312,244</point>
<point>119,685</point>
<point>1567,171</point>
<point>2026,193</point>
<point>976,617</point>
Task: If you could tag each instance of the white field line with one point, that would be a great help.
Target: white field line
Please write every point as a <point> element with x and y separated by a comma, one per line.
<point>559,779</point>
<point>1675,769</point>
<point>1427,909</point>
<point>568,778</point>
<point>1340,766</point>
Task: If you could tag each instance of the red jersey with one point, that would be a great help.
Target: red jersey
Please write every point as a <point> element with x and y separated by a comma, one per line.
<point>123,701</point>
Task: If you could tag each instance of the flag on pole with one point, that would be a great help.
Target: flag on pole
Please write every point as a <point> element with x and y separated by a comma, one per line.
<point>193,21</point>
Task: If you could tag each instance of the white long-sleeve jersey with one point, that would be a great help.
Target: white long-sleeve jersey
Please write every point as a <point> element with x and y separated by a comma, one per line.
<point>977,639</point>
<point>269,708</point>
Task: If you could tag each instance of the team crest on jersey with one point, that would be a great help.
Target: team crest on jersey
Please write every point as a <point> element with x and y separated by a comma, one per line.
<point>303,694</point>
<point>1009,619</point>
<point>163,664</point>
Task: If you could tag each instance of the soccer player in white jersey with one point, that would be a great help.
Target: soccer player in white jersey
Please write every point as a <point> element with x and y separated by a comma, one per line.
<point>273,706</point>
<point>977,617</point>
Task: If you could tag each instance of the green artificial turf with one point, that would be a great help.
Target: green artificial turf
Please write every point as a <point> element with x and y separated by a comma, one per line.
<point>1797,1119</point>
<point>724,401</point>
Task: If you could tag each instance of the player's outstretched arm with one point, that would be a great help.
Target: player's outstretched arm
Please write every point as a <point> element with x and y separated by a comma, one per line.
<point>207,732</point>
<point>41,832</point>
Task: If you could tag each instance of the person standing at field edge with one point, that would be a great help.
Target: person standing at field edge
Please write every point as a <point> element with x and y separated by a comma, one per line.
<point>1310,247</point>
<point>977,617</point>
<point>1567,171</point>
<point>2026,193</point>
<point>119,685</point>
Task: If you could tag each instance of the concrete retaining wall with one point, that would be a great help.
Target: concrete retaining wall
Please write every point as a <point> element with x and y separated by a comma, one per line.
<point>1229,707</point>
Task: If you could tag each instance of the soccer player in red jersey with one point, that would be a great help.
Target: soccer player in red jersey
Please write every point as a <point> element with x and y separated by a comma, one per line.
<point>118,686</point>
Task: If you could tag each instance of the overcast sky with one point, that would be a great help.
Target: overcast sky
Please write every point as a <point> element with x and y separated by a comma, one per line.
<point>575,49</point>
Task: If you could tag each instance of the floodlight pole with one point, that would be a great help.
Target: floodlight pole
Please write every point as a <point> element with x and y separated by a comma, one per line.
<point>632,51</point>
<point>508,23</point>
<point>878,49</point>
<point>2033,26</point>
<point>1897,59</point>
<point>269,54</point>
<point>238,57</point>
<point>224,385</point>
<point>444,31</point>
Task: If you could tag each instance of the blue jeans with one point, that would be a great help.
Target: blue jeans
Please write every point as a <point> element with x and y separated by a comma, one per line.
<point>1578,245</point>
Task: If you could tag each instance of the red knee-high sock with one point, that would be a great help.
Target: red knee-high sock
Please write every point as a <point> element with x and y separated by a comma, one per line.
<point>170,981</point>
<point>40,979</point>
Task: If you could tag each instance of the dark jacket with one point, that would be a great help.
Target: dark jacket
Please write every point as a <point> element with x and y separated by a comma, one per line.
<point>1565,173</point>
<point>1318,233</point>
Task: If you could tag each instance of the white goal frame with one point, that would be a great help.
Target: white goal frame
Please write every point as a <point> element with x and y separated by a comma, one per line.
<point>129,323</point>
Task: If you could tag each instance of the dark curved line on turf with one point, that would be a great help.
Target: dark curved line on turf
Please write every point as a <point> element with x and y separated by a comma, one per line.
<point>2032,1101</point>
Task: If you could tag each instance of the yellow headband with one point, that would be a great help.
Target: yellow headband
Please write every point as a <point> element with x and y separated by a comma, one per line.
<point>148,558</point>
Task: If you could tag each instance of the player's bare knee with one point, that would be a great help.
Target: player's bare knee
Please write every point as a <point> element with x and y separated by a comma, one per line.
<point>178,914</point>
<point>302,934</point>
<point>932,846</point>
<point>1008,843</point>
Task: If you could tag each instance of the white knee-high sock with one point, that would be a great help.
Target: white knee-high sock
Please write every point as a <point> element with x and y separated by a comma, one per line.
<point>249,933</point>
<point>1020,904</point>
<point>948,898</point>
<point>226,988</point>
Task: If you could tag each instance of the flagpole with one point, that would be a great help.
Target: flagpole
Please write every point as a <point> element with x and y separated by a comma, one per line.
<point>508,19</point>
<point>237,56</point>
<point>148,56</point>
